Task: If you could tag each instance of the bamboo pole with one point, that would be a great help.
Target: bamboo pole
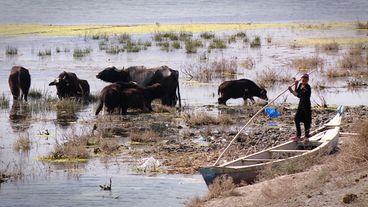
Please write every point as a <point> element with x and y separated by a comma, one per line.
<point>236,136</point>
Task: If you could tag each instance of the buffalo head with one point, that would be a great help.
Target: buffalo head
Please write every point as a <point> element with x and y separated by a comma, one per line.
<point>111,74</point>
<point>264,94</point>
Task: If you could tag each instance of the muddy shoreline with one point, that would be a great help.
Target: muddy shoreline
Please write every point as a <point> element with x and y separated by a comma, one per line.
<point>181,149</point>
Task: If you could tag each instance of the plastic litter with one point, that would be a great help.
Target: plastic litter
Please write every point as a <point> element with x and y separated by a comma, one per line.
<point>272,112</point>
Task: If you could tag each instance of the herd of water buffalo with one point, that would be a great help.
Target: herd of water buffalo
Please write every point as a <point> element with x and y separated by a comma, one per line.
<point>134,87</point>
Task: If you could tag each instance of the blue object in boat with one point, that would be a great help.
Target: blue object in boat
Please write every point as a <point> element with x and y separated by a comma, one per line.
<point>273,113</point>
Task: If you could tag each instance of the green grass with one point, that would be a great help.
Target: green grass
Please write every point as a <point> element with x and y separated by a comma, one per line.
<point>11,50</point>
<point>192,45</point>
<point>207,35</point>
<point>4,101</point>
<point>217,43</point>
<point>125,38</point>
<point>78,52</point>
<point>44,53</point>
<point>256,42</point>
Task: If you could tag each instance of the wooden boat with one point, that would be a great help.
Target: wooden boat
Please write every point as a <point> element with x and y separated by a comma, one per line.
<point>245,169</point>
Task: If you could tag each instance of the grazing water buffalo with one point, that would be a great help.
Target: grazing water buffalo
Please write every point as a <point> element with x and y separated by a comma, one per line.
<point>141,97</point>
<point>112,96</point>
<point>165,76</point>
<point>240,88</point>
<point>19,82</point>
<point>69,85</point>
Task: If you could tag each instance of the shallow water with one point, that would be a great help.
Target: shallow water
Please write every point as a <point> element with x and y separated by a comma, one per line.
<point>73,184</point>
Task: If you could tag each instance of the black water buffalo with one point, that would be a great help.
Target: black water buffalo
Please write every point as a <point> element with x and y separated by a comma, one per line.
<point>141,97</point>
<point>19,82</point>
<point>240,88</point>
<point>69,85</point>
<point>112,96</point>
<point>165,76</point>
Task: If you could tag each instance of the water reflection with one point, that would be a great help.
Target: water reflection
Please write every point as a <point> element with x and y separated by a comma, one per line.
<point>65,117</point>
<point>19,116</point>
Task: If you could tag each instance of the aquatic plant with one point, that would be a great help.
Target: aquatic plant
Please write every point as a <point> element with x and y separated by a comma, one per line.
<point>125,38</point>
<point>11,50</point>
<point>44,53</point>
<point>207,35</point>
<point>35,93</point>
<point>114,49</point>
<point>4,101</point>
<point>22,143</point>
<point>217,43</point>
<point>192,45</point>
<point>256,42</point>
<point>176,45</point>
<point>360,25</point>
<point>78,52</point>
<point>307,62</point>
<point>143,137</point>
<point>352,62</point>
<point>164,46</point>
<point>333,46</point>
<point>184,36</point>
<point>57,50</point>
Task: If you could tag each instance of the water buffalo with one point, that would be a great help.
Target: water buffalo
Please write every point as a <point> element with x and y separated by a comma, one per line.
<point>141,97</point>
<point>19,82</point>
<point>69,85</point>
<point>240,88</point>
<point>112,96</point>
<point>165,76</point>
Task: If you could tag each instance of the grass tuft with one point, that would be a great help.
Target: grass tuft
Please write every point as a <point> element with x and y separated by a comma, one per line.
<point>11,50</point>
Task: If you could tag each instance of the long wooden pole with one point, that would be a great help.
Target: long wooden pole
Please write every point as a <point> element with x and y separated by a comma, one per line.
<point>250,120</point>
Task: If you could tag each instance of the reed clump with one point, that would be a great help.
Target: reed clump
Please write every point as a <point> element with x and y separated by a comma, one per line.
<point>360,25</point>
<point>143,137</point>
<point>79,52</point>
<point>23,143</point>
<point>4,101</point>
<point>11,50</point>
<point>221,187</point>
<point>307,62</point>
<point>203,118</point>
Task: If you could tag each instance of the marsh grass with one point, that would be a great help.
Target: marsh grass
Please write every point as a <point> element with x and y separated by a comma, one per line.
<point>333,73</point>
<point>176,45</point>
<point>270,76</point>
<point>23,142</point>
<point>354,153</point>
<point>203,118</point>
<point>334,46</point>
<point>221,187</point>
<point>356,49</point>
<point>207,35</point>
<point>208,70</point>
<point>11,50</point>
<point>44,53</point>
<point>107,146</point>
<point>352,62</point>
<point>73,146</point>
<point>184,36</point>
<point>132,47</point>
<point>79,52</point>
<point>164,109</point>
<point>356,83</point>
<point>217,43</point>
<point>35,93</point>
<point>191,46</point>
<point>143,137</point>
<point>360,25</point>
<point>125,38</point>
<point>57,49</point>
<point>4,101</point>
<point>307,62</point>
<point>114,49</point>
<point>256,42</point>
<point>165,46</point>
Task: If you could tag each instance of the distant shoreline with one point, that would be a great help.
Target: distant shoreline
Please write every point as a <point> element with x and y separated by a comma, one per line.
<point>71,30</point>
